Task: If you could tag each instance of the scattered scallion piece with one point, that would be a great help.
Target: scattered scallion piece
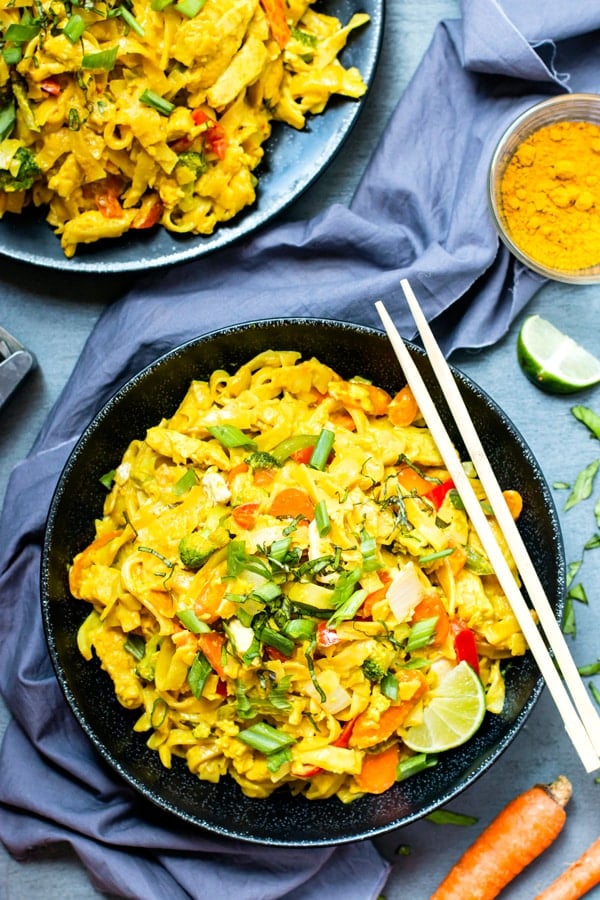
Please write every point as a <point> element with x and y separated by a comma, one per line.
<point>159,5</point>
<point>320,454</point>
<point>421,633</point>
<point>447,817</point>
<point>368,549</point>
<point>263,737</point>
<point>107,479</point>
<point>105,59</point>
<point>12,55</point>
<point>301,629</point>
<point>322,518</point>
<point>389,686</point>
<point>290,445</point>
<point>440,554</point>
<point>165,108</point>
<point>190,620</point>
<point>228,435</point>
<point>277,640</point>
<point>198,674</point>
<point>21,34</point>
<point>348,608</point>
<point>131,20</point>
<point>187,481</point>
<point>135,645</point>
<point>74,28</point>
<point>159,712</point>
<point>414,764</point>
<point>189,8</point>
<point>7,120</point>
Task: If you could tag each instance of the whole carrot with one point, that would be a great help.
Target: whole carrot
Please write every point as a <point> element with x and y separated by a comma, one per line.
<point>520,833</point>
<point>578,879</point>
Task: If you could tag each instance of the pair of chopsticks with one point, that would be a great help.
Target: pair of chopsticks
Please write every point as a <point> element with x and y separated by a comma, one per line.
<point>579,715</point>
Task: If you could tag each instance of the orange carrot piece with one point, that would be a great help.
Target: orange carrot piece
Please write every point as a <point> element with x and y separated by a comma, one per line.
<point>292,502</point>
<point>275,11</point>
<point>581,876</point>
<point>403,409</point>
<point>211,643</point>
<point>518,835</point>
<point>263,477</point>
<point>87,557</point>
<point>427,608</point>
<point>245,515</point>
<point>410,480</point>
<point>379,770</point>
<point>368,732</point>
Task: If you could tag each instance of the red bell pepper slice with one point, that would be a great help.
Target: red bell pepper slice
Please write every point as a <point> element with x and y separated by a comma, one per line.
<point>326,637</point>
<point>466,649</point>
<point>438,493</point>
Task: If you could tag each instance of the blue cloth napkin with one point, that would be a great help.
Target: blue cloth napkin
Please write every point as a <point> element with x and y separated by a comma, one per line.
<point>420,212</point>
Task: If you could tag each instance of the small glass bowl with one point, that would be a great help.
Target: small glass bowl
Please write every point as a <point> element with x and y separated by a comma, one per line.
<point>566,107</point>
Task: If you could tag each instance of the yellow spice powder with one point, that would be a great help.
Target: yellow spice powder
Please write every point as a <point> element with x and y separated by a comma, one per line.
<point>550,195</point>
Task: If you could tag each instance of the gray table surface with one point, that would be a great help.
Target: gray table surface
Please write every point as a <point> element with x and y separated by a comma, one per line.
<point>53,316</point>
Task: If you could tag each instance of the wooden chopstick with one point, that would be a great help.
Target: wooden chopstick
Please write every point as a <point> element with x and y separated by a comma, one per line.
<point>584,731</point>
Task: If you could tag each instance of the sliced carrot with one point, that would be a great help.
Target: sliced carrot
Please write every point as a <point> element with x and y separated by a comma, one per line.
<point>412,481</point>
<point>245,515</point>
<point>294,503</point>
<point>108,204</point>
<point>263,477</point>
<point>427,608</point>
<point>403,409</point>
<point>581,876</point>
<point>368,732</point>
<point>343,419</point>
<point>211,643</point>
<point>379,770</point>
<point>519,834</point>
<point>237,470</point>
<point>275,10</point>
<point>208,603</point>
<point>150,211</point>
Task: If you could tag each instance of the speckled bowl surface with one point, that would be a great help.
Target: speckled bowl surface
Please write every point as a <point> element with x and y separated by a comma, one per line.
<point>221,808</point>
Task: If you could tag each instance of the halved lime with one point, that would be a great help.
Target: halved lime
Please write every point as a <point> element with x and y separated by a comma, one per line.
<point>453,712</point>
<point>553,360</point>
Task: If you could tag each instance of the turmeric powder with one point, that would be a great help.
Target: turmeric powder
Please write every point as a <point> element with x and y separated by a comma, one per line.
<point>550,193</point>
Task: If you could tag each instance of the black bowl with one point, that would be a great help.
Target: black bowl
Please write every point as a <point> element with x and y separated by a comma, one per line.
<point>281,819</point>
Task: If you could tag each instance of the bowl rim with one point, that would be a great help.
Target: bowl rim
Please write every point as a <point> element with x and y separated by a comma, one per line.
<point>482,759</point>
<point>563,107</point>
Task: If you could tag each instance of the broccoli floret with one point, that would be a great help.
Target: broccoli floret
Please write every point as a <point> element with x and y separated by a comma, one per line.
<point>260,459</point>
<point>372,669</point>
<point>195,548</point>
<point>193,160</point>
<point>25,175</point>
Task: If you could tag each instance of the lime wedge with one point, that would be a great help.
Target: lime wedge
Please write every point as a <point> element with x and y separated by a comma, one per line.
<point>453,712</point>
<point>554,361</point>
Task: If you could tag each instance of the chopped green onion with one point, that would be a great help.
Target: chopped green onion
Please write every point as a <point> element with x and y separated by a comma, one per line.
<point>165,108</point>
<point>349,608</point>
<point>267,592</point>
<point>131,20</point>
<point>414,764</point>
<point>159,5</point>
<point>290,445</point>
<point>74,28</point>
<point>300,629</point>
<point>368,549</point>
<point>185,483</point>
<point>190,620</point>
<point>228,435</point>
<point>447,817</point>
<point>440,554</point>
<point>198,674</point>
<point>136,645</point>
<point>12,55</point>
<point>105,59</point>
<point>263,737</point>
<point>107,479</point>
<point>322,518</point>
<point>477,563</point>
<point>421,633</point>
<point>568,624</point>
<point>190,8</point>
<point>389,686</point>
<point>577,592</point>
<point>276,760</point>
<point>308,655</point>
<point>592,669</point>
<point>278,549</point>
<point>7,120</point>
<point>320,454</point>
<point>21,34</point>
<point>277,640</point>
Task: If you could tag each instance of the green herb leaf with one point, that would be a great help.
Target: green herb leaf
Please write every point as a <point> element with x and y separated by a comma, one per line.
<point>446,817</point>
<point>74,28</point>
<point>589,418</point>
<point>185,483</point>
<point>105,59</point>
<point>584,484</point>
